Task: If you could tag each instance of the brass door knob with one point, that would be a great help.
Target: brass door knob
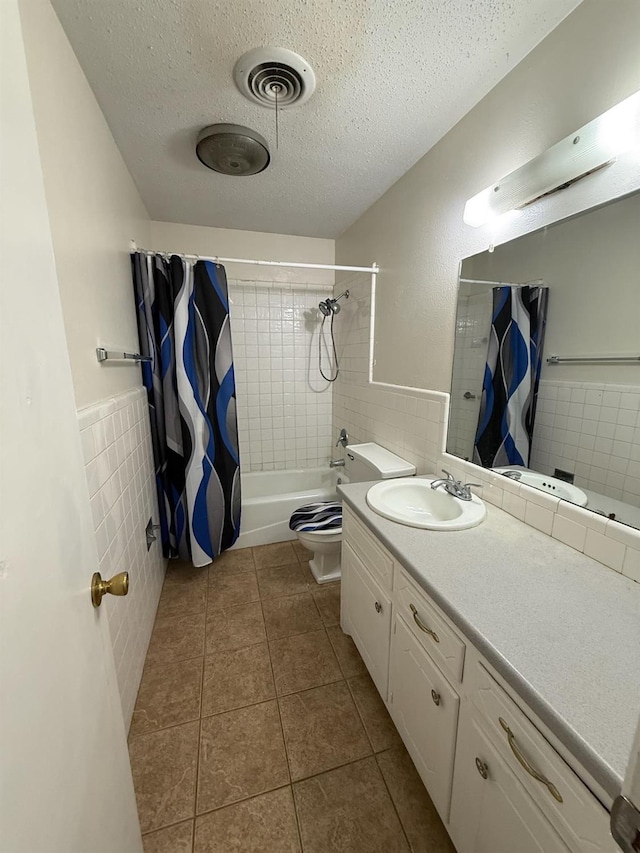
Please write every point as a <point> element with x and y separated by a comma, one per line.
<point>117,585</point>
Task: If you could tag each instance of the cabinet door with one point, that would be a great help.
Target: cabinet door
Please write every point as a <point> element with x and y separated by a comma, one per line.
<point>493,814</point>
<point>424,708</point>
<point>368,616</point>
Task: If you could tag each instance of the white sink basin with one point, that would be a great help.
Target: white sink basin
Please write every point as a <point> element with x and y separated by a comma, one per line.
<point>555,487</point>
<point>414,503</point>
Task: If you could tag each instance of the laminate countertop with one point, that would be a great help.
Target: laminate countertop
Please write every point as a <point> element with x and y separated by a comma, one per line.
<point>562,629</point>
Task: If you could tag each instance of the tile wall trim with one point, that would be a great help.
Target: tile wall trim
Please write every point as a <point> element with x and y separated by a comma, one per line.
<point>116,444</point>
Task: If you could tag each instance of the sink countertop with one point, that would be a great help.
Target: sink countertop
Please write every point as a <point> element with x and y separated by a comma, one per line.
<point>561,629</point>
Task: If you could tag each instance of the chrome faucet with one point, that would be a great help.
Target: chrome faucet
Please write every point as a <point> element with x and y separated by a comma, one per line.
<point>343,438</point>
<point>512,475</point>
<point>454,487</point>
<point>336,463</point>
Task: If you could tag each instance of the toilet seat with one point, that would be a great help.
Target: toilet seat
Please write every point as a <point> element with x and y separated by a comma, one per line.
<point>323,518</point>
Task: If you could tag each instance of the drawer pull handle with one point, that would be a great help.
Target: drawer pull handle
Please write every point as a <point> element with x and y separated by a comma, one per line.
<point>436,697</point>
<point>378,607</point>
<point>523,761</point>
<point>483,770</point>
<point>422,626</point>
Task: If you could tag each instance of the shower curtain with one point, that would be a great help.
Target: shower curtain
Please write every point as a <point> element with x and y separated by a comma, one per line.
<point>512,376</point>
<point>183,324</point>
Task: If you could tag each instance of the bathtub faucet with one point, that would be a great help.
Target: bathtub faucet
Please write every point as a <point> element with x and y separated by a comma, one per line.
<point>336,463</point>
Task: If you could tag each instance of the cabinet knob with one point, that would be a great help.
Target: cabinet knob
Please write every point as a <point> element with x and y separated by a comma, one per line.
<point>483,770</point>
<point>436,697</point>
<point>378,607</point>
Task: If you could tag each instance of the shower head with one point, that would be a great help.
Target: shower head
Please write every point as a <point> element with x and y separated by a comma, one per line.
<point>330,306</point>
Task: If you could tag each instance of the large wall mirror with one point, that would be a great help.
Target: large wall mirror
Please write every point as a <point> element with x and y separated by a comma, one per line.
<point>546,370</point>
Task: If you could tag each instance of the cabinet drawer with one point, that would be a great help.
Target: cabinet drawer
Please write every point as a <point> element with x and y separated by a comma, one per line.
<point>564,798</point>
<point>424,708</point>
<point>369,617</point>
<point>429,628</point>
<point>364,544</point>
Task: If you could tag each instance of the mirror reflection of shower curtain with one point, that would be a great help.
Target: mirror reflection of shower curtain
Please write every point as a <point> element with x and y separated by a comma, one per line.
<point>512,376</point>
<point>183,324</point>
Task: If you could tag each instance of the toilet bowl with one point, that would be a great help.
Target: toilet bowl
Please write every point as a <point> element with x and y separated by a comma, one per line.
<point>318,526</point>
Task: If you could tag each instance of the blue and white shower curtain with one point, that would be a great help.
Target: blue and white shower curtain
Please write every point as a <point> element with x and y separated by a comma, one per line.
<point>183,324</point>
<point>512,376</point>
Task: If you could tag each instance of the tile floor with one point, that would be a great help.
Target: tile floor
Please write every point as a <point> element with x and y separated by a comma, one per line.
<point>257,727</point>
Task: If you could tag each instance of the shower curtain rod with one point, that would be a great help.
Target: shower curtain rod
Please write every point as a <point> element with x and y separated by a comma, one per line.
<point>218,259</point>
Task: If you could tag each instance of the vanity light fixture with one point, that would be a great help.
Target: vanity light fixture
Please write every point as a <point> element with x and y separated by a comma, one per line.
<point>588,149</point>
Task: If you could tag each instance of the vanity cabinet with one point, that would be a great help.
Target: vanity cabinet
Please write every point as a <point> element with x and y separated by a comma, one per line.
<point>369,616</point>
<point>491,812</point>
<point>424,708</point>
<point>498,784</point>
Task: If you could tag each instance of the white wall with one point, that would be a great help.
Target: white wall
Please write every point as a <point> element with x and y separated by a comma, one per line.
<point>230,243</point>
<point>415,231</point>
<point>591,265</point>
<point>94,208</point>
<point>417,235</point>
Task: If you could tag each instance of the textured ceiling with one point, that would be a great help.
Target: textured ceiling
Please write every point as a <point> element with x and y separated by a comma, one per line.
<point>392,78</point>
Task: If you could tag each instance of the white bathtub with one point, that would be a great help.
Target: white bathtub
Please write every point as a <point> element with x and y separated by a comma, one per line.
<point>270,497</point>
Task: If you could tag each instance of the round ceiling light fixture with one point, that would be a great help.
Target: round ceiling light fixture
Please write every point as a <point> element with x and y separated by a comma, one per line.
<point>273,76</point>
<point>232,149</point>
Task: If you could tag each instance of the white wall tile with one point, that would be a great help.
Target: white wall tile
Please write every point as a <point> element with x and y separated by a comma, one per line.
<point>604,549</point>
<point>122,486</point>
<point>569,532</point>
<point>283,403</point>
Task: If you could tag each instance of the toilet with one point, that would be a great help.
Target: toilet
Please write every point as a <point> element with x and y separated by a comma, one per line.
<point>318,526</point>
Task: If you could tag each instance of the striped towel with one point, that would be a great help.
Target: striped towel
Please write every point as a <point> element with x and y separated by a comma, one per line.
<point>325,515</point>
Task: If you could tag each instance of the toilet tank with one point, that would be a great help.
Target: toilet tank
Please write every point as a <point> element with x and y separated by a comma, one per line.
<point>364,462</point>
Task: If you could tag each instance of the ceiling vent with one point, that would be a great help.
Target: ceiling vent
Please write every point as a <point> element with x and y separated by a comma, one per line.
<point>274,76</point>
<point>232,149</point>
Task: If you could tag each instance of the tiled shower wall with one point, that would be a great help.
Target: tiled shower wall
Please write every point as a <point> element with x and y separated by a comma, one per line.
<point>473,326</point>
<point>409,422</point>
<point>284,404</point>
<point>593,431</point>
<point>119,466</point>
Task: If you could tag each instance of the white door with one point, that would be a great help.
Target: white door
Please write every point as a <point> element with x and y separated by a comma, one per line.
<point>64,769</point>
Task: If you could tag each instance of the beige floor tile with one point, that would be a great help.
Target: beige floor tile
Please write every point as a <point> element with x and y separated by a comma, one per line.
<point>322,730</point>
<point>294,614</point>
<point>237,678</point>
<point>424,829</point>
<point>303,661</point>
<point>169,694</point>
<point>377,722</point>
<point>234,627</point>
<point>163,765</point>
<point>241,754</point>
<point>183,599</point>
<point>303,554</point>
<point>184,573</point>
<point>292,579</point>
<point>327,600</point>
<point>233,562</point>
<point>264,824</point>
<point>227,590</point>
<point>279,554</point>
<point>348,810</point>
<point>176,638</point>
<point>348,655</point>
<point>173,839</point>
